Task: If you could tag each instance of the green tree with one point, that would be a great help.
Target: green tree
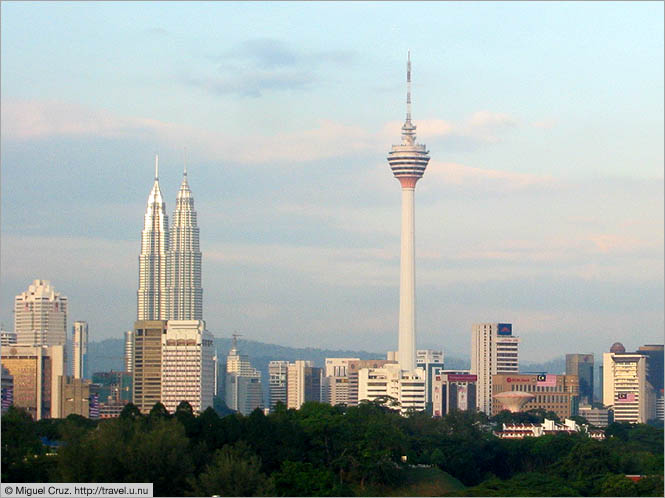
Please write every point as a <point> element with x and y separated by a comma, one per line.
<point>618,485</point>
<point>234,471</point>
<point>20,445</point>
<point>304,479</point>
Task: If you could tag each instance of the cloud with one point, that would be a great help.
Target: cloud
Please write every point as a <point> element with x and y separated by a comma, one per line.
<point>459,174</point>
<point>260,65</point>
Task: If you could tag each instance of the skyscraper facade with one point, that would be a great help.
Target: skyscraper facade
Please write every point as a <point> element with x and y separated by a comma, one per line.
<point>277,379</point>
<point>625,386</point>
<point>183,266</point>
<point>303,383</point>
<point>582,366</point>
<point>188,371</point>
<point>151,294</point>
<point>40,316</point>
<point>129,351</point>
<point>494,350</point>
<point>242,384</point>
<point>408,162</point>
<point>147,363</point>
<point>80,350</point>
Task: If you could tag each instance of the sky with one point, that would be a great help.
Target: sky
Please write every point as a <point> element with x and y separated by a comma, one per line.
<point>542,204</point>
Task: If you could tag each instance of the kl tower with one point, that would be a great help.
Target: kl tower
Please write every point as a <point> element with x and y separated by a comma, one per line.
<point>408,162</point>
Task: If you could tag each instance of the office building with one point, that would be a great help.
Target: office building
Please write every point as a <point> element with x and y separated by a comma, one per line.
<point>598,417</point>
<point>129,351</point>
<point>7,391</point>
<point>188,370</point>
<point>354,367</point>
<point>555,393</point>
<point>335,383</point>
<point>431,361</point>
<point>80,350</point>
<point>243,391</point>
<point>277,379</point>
<point>147,364</point>
<point>36,371</point>
<point>408,161</point>
<point>113,391</point>
<point>40,316</point>
<point>582,366</point>
<point>7,338</point>
<point>625,387</point>
<point>183,264</point>
<point>453,390</point>
<point>654,354</point>
<point>494,350</point>
<point>303,383</point>
<point>74,397</point>
<point>151,294</point>
<point>402,389</point>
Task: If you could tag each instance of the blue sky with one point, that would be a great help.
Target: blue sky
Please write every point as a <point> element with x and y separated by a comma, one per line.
<point>542,204</point>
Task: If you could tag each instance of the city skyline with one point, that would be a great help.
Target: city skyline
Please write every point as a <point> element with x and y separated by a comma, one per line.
<point>542,206</point>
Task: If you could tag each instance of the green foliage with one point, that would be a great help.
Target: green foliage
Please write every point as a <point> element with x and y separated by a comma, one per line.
<point>20,446</point>
<point>528,484</point>
<point>234,471</point>
<point>323,450</point>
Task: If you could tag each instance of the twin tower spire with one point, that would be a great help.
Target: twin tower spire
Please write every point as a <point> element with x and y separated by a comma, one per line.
<point>170,259</point>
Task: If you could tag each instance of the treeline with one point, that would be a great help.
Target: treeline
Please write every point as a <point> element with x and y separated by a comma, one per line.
<point>321,450</point>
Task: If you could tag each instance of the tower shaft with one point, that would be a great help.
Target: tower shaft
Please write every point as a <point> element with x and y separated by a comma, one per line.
<point>407,287</point>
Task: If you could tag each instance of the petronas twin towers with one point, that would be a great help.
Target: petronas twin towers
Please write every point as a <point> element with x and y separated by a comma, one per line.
<point>170,259</point>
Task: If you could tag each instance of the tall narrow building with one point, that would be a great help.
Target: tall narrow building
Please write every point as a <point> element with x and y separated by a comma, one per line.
<point>80,350</point>
<point>151,296</point>
<point>183,266</point>
<point>408,162</point>
<point>40,316</point>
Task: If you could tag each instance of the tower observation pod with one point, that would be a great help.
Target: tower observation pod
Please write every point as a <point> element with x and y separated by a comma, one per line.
<point>408,161</point>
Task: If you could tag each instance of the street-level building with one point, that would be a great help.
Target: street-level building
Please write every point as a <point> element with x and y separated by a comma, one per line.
<point>35,371</point>
<point>555,393</point>
<point>453,390</point>
<point>390,382</point>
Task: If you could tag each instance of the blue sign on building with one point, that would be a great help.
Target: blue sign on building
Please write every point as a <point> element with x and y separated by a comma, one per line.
<point>505,329</point>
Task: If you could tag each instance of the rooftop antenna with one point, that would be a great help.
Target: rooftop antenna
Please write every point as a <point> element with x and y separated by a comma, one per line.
<point>235,336</point>
<point>156,166</point>
<point>184,160</point>
<point>408,85</point>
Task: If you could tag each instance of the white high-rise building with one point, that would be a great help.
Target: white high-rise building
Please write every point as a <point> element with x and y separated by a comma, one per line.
<point>494,350</point>
<point>183,264</point>
<point>80,350</point>
<point>303,383</point>
<point>40,316</point>
<point>129,351</point>
<point>151,295</point>
<point>408,162</point>
<point>277,378</point>
<point>188,370</point>
<point>242,385</point>
<point>335,385</point>
<point>625,386</point>
<point>407,388</point>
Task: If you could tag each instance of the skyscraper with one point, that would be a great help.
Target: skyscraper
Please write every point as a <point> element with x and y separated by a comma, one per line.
<point>582,366</point>
<point>625,386</point>
<point>40,316</point>
<point>408,162</point>
<point>242,385</point>
<point>147,363</point>
<point>183,266</point>
<point>80,350</point>
<point>151,295</point>
<point>494,350</point>
<point>277,378</point>
<point>129,351</point>
<point>188,371</point>
<point>303,383</point>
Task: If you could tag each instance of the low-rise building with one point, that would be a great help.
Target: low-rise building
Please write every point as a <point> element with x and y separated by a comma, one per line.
<point>519,431</point>
<point>390,381</point>
<point>555,393</point>
<point>598,417</point>
<point>453,390</point>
